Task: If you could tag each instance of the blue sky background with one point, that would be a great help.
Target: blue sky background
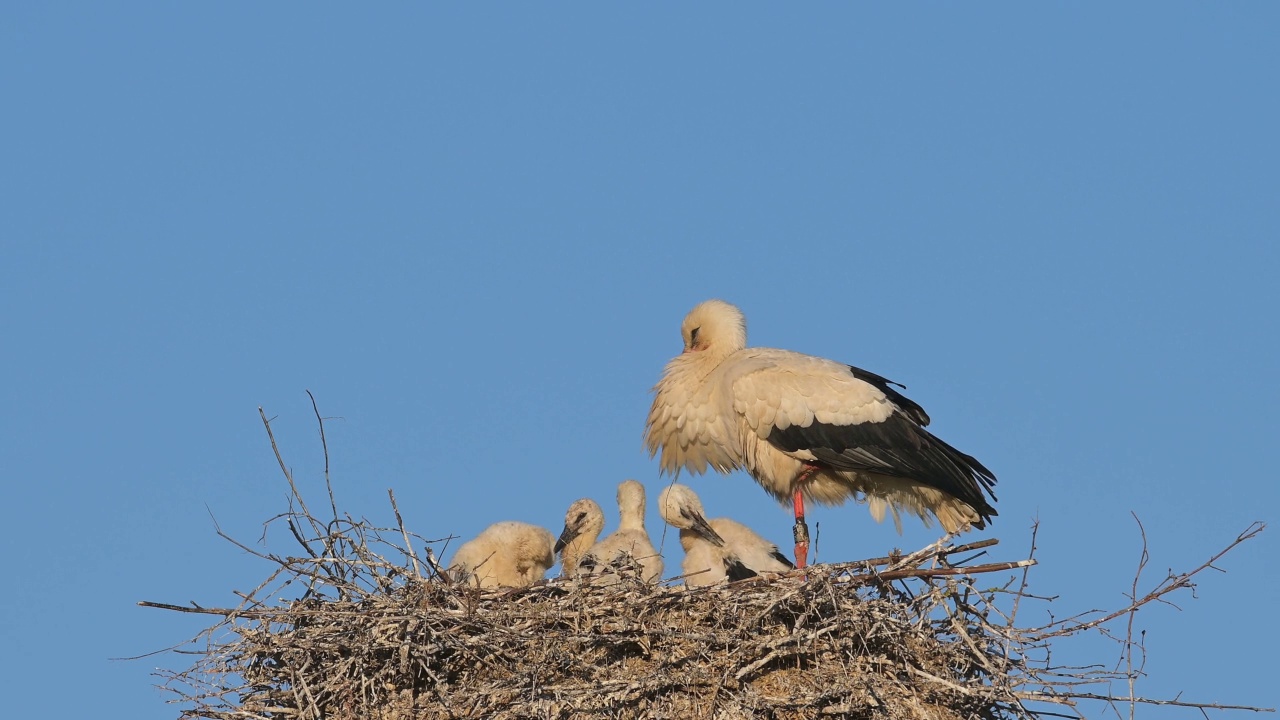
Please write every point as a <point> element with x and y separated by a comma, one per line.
<point>472,232</point>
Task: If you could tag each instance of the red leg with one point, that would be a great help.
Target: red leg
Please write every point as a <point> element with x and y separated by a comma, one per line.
<point>800,531</point>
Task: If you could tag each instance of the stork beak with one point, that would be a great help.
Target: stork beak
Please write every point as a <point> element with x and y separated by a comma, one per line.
<point>704,529</point>
<point>566,536</point>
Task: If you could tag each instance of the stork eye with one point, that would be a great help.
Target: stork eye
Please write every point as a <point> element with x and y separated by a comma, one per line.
<point>693,335</point>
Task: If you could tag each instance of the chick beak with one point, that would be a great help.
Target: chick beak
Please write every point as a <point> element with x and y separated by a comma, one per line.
<point>566,536</point>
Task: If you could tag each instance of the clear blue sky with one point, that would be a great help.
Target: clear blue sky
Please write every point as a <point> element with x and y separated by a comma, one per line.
<point>472,231</point>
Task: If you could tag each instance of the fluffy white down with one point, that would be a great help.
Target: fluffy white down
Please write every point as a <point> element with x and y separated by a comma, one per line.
<point>505,554</point>
<point>583,522</point>
<point>748,547</point>
<point>630,540</point>
<point>705,562</point>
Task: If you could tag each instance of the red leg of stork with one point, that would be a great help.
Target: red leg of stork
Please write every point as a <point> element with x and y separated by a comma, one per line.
<point>800,531</point>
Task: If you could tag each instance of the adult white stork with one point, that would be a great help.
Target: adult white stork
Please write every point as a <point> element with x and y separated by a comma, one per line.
<point>806,427</point>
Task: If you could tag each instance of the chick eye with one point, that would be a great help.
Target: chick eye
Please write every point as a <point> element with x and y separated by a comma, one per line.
<point>693,335</point>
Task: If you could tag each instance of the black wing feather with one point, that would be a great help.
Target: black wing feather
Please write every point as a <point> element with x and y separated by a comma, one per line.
<point>782,558</point>
<point>734,568</point>
<point>898,447</point>
<point>885,385</point>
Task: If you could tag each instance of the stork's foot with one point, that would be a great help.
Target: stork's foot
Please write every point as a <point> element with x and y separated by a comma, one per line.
<point>800,531</point>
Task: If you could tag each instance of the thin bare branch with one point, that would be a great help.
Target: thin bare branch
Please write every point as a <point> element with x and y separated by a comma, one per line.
<point>324,444</point>
<point>1168,585</point>
<point>417,571</point>
<point>285,469</point>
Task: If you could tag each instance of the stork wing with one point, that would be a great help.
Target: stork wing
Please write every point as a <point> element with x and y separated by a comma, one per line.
<point>850,419</point>
<point>777,555</point>
<point>734,568</point>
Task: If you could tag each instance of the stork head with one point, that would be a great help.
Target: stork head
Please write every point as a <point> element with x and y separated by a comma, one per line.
<point>714,325</point>
<point>631,502</point>
<point>680,508</point>
<point>584,518</point>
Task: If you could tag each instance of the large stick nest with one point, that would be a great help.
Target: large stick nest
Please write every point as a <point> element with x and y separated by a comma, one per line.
<point>362,626</point>
<point>791,647</point>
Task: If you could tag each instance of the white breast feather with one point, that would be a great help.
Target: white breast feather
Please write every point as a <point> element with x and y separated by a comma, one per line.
<point>690,424</point>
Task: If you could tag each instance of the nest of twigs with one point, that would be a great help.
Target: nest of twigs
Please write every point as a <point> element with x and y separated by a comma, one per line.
<point>361,625</point>
<point>839,642</point>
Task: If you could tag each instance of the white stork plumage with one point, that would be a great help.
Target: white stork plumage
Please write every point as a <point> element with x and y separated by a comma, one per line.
<point>582,525</point>
<point>505,554</point>
<point>718,549</point>
<point>806,427</point>
<point>630,540</point>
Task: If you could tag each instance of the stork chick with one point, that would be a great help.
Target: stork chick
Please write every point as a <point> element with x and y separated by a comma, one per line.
<point>582,525</point>
<point>716,550</point>
<point>505,554</point>
<point>631,540</point>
